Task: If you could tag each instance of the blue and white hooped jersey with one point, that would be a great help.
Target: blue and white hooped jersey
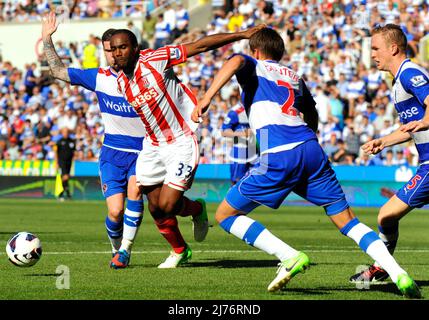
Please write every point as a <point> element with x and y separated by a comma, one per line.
<point>162,30</point>
<point>244,149</point>
<point>374,80</point>
<point>123,128</point>
<point>273,97</point>
<point>409,91</point>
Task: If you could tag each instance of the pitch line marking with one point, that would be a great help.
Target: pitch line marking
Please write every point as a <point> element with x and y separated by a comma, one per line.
<point>211,251</point>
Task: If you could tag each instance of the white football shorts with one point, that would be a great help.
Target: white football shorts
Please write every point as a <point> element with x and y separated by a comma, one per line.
<point>173,164</point>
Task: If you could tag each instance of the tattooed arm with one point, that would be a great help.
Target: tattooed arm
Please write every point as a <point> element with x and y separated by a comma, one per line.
<point>58,69</point>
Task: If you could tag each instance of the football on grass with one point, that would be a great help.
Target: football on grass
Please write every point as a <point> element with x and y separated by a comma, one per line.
<point>24,249</point>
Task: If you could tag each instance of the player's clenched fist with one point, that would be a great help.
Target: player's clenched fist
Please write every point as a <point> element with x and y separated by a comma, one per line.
<point>373,146</point>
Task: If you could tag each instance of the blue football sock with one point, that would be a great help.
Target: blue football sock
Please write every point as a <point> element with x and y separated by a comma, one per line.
<point>114,231</point>
<point>389,235</point>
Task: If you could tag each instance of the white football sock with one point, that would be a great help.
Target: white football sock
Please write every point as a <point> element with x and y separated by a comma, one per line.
<point>371,244</point>
<point>133,217</point>
<point>256,235</point>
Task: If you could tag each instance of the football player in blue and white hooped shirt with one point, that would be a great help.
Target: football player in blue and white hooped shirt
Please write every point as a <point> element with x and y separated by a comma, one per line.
<point>243,152</point>
<point>410,95</point>
<point>291,159</point>
<point>122,143</point>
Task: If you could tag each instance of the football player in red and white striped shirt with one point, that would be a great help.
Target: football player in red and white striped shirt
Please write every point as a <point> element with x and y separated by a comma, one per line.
<point>166,166</point>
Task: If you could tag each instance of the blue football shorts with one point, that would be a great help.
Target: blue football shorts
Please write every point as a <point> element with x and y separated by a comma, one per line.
<point>415,192</point>
<point>115,169</point>
<point>304,170</point>
<point>238,170</point>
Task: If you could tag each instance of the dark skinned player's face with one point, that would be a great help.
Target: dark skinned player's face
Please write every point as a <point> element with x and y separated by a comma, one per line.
<point>122,50</point>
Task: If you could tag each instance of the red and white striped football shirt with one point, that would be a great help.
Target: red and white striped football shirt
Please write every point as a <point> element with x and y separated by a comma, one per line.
<point>163,103</point>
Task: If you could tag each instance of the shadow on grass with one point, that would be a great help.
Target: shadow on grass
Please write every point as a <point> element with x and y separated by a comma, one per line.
<point>320,291</point>
<point>226,264</point>
<point>233,264</point>
<point>422,283</point>
<point>43,275</point>
<point>387,287</point>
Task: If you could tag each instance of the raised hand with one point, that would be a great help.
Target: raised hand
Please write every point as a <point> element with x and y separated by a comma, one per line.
<point>49,24</point>
<point>251,31</point>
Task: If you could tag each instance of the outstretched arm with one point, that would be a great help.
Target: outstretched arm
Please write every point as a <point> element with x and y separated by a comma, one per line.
<point>377,145</point>
<point>222,77</point>
<point>218,40</point>
<point>229,133</point>
<point>58,69</point>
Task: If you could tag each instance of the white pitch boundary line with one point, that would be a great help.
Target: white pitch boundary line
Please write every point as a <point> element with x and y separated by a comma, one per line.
<point>211,251</point>
<point>310,247</point>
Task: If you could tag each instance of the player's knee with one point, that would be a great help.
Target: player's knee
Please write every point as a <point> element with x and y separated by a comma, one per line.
<point>385,218</point>
<point>389,215</point>
<point>383,215</point>
<point>168,207</point>
<point>156,211</point>
<point>116,214</point>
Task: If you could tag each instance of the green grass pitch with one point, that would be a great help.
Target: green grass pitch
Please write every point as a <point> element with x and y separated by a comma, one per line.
<point>222,267</point>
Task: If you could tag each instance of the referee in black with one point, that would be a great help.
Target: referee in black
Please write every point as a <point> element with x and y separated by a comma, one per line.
<point>66,147</point>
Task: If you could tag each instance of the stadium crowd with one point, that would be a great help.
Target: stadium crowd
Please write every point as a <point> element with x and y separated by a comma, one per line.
<point>325,41</point>
<point>33,10</point>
